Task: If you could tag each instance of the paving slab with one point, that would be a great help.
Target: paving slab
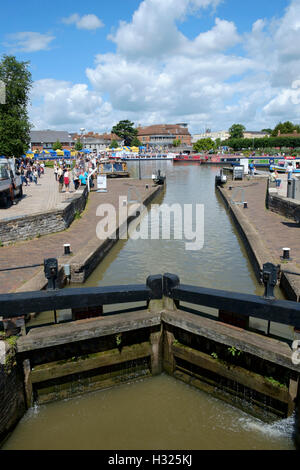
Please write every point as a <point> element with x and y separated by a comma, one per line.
<point>274,231</point>
<point>80,234</point>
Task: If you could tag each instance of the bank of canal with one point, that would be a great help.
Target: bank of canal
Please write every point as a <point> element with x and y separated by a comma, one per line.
<point>192,419</point>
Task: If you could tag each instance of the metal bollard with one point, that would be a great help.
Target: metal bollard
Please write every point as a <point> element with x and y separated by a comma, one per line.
<point>286,253</point>
<point>269,277</point>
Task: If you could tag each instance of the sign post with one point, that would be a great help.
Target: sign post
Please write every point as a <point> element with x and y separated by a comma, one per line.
<point>101,184</point>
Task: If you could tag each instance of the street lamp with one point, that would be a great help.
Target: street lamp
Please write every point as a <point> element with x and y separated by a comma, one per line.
<point>82,129</point>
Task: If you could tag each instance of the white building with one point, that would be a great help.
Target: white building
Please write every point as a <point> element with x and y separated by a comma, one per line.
<point>223,135</point>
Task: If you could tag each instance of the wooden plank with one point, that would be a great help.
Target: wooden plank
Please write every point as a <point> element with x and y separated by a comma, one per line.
<point>237,374</point>
<point>53,370</point>
<point>81,330</point>
<point>106,382</point>
<point>256,344</point>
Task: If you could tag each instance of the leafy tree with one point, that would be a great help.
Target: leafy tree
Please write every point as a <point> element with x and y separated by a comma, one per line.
<point>176,142</point>
<point>57,145</point>
<point>126,131</point>
<point>14,122</point>
<point>78,145</point>
<point>236,131</point>
<point>268,130</point>
<point>203,144</point>
<point>136,142</point>
<point>217,143</point>
<point>114,144</point>
<point>285,128</point>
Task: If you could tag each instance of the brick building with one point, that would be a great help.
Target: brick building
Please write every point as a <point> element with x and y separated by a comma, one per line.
<point>45,139</point>
<point>163,135</point>
<point>97,142</point>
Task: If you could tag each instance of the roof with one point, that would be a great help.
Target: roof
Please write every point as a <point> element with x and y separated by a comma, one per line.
<point>255,132</point>
<point>163,129</point>
<point>50,136</point>
<point>293,134</point>
<point>91,135</point>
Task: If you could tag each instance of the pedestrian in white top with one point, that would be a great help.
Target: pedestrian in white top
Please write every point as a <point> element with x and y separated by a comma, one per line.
<point>290,170</point>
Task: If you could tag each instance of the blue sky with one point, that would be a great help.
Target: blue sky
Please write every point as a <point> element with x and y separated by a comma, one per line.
<point>206,62</point>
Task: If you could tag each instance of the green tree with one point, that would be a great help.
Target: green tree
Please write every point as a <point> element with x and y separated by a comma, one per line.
<point>203,144</point>
<point>78,145</point>
<point>136,142</point>
<point>114,144</point>
<point>285,128</point>
<point>126,131</point>
<point>267,130</point>
<point>176,142</point>
<point>14,122</point>
<point>57,145</point>
<point>236,131</point>
<point>218,143</point>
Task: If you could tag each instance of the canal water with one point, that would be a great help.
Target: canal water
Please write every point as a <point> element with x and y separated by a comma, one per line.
<point>160,412</point>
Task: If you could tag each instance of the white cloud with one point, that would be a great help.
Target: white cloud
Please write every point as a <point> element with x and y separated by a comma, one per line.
<point>28,41</point>
<point>158,74</point>
<point>89,22</point>
<point>61,104</point>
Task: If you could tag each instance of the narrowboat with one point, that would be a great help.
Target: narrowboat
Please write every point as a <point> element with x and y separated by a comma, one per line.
<point>281,166</point>
<point>113,168</point>
<point>193,158</point>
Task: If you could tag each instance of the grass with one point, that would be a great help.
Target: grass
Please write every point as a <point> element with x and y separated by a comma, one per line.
<point>276,383</point>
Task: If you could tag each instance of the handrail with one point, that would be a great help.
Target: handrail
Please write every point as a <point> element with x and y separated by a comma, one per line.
<point>267,307</point>
<point>281,311</point>
<point>19,304</point>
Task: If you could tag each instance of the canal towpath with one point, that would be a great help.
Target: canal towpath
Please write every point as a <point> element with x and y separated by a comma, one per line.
<point>81,235</point>
<point>266,233</point>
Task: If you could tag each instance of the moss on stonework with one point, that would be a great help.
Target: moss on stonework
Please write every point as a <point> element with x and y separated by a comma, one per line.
<point>10,357</point>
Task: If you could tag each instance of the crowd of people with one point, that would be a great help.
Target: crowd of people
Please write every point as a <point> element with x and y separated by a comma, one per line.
<point>30,170</point>
<point>79,175</point>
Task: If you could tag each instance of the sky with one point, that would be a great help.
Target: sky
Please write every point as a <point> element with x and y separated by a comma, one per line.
<point>208,63</point>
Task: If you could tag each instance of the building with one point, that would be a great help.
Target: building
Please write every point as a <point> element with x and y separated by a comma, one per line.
<point>163,135</point>
<point>223,135</point>
<point>97,142</point>
<point>45,139</point>
<point>255,135</point>
<point>292,134</point>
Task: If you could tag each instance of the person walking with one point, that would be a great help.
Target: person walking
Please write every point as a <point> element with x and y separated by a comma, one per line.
<point>55,170</point>
<point>76,177</point>
<point>67,180</point>
<point>35,175</point>
<point>60,176</point>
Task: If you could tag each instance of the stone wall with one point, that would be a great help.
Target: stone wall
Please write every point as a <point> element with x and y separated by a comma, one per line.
<point>12,401</point>
<point>282,205</point>
<point>24,227</point>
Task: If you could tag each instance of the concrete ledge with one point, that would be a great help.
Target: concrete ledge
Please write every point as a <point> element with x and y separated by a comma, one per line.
<point>90,256</point>
<point>282,205</point>
<point>257,251</point>
<point>18,228</point>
